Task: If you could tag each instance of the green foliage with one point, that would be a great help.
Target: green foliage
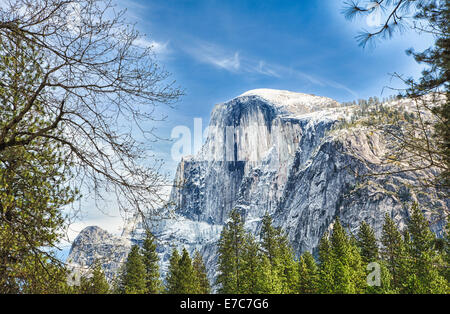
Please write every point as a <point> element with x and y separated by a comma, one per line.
<point>368,246</point>
<point>183,277</point>
<point>421,238</point>
<point>326,268</point>
<point>446,253</point>
<point>151,259</point>
<point>289,272</point>
<point>384,286</point>
<point>231,250</point>
<point>32,192</point>
<point>284,268</point>
<point>33,183</point>
<point>408,262</point>
<point>247,266</point>
<point>424,275</point>
<point>140,273</point>
<point>436,77</point>
<point>269,236</point>
<point>308,273</point>
<point>394,252</point>
<point>187,276</point>
<point>413,261</point>
<point>367,243</point>
<point>96,283</point>
<point>349,274</point>
<point>256,269</point>
<point>340,265</point>
<point>21,72</point>
<point>203,286</point>
<point>429,140</point>
<point>173,275</point>
<point>133,279</point>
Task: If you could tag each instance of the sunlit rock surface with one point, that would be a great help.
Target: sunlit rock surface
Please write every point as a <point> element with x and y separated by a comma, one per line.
<point>275,152</point>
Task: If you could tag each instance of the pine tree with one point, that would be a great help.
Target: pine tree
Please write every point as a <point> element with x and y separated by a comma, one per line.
<point>357,266</point>
<point>203,286</point>
<point>393,251</point>
<point>255,269</point>
<point>308,274</point>
<point>96,283</point>
<point>343,278</point>
<point>326,269</point>
<point>267,282</point>
<point>33,180</point>
<point>288,267</point>
<point>385,281</point>
<point>424,276</point>
<point>118,280</point>
<point>276,247</point>
<point>251,267</point>
<point>182,277</point>
<point>349,273</point>
<point>151,261</point>
<point>133,278</point>
<point>367,243</point>
<point>269,236</point>
<point>340,264</point>
<point>173,275</point>
<point>187,277</point>
<point>422,238</point>
<point>369,250</point>
<point>231,248</point>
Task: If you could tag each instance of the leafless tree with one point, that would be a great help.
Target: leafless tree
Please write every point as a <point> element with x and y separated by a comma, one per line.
<point>94,93</point>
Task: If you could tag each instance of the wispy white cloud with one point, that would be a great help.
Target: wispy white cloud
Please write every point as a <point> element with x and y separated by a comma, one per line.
<point>235,62</point>
<point>216,56</point>
<point>130,4</point>
<point>264,69</point>
<point>337,85</point>
<point>134,12</point>
<point>280,71</point>
<point>229,63</point>
<point>159,48</point>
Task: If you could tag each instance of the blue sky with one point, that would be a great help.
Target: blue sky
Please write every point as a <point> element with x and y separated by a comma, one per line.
<point>216,50</point>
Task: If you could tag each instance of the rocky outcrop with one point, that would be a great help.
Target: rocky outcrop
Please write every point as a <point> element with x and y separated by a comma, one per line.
<point>280,153</point>
<point>95,245</point>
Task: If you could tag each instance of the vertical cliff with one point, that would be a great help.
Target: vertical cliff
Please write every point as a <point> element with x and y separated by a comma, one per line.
<point>279,152</point>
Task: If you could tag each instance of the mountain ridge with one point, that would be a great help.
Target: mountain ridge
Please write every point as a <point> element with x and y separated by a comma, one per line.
<point>294,165</point>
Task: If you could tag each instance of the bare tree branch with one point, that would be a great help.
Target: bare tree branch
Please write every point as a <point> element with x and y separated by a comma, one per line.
<point>98,91</point>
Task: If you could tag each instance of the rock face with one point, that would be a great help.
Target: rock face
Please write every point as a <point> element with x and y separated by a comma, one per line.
<point>94,244</point>
<point>278,152</point>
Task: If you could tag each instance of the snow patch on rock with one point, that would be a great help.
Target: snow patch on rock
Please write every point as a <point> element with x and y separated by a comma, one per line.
<point>293,102</point>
